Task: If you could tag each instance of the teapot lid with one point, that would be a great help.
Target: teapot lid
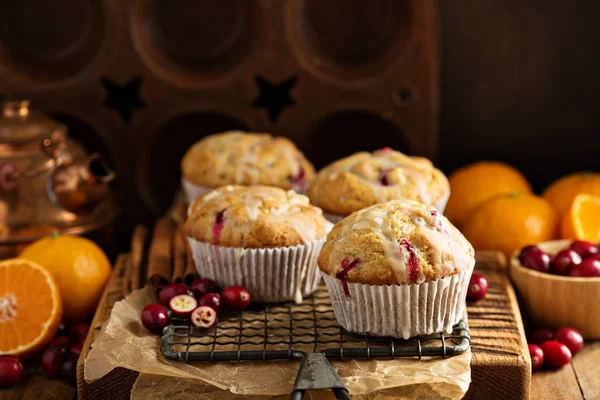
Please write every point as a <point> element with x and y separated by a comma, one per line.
<point>19,124</point>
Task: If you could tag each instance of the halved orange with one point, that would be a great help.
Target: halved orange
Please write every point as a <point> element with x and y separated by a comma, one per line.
<point>582,221</point>
<point>30,308</point>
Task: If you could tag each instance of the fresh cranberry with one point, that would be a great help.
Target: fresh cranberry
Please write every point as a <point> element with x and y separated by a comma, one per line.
<point>537,356</point>
<point>541,335</point>
<point>556,354</point>
<point>534,258</point>
<point>584,249</point>
<point>564,261</point>
<point>594,257</point>
<point>183,305</point>
<point>212,300</point>
<point>478,287</point>
<point>202,286</point>
<point>79,332</point>
<point>347,266</point>
<point>63,330</point>
<point>53,359</point>
<point>68,369</point>
<point>76,349</point>
<point>571,338</point>
<point>170,291</point>
<point>204,317</point>
<point>236,297</point>
<point>154,318</point>
<point>588,268</point>
<point>61,340</point>
<point>11,371</point>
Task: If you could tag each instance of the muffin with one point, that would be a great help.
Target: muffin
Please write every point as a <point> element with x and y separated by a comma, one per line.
<point>261,237</point>
<point>364,179</point>
<point>240,158</point>
<point>397,269</point>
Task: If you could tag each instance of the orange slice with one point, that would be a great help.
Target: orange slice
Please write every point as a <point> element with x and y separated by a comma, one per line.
<point>582,221</point>
<point>30,308</point>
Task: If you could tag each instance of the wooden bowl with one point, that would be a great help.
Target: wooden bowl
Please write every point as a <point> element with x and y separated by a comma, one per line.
<point>554,301</point>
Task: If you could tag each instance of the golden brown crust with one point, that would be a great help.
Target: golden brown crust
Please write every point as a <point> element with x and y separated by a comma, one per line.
<point>364,179</point>
<point>397,242</point>
<point>255,217</point>
<point>242,158</point>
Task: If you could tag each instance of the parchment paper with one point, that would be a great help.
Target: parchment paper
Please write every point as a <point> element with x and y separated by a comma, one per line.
<point>124,342</point>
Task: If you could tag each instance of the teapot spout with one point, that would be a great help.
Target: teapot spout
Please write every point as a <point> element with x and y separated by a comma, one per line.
<point>99,168</point>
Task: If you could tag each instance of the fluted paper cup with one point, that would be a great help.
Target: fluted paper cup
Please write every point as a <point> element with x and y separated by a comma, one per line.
<point>193,191</point>
<point>400,311</point>
<point>270,275</point>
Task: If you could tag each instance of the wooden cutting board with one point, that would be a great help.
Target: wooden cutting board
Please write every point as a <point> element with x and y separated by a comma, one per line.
<point>500,365</point>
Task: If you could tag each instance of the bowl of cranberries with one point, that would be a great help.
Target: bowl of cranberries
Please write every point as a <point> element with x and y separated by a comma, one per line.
<point>559,283</point>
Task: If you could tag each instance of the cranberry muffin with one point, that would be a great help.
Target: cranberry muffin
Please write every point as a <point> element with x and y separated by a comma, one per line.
<point>261,237</point>
<point>243,158</point>
<point>364,179</point>
<point>397,269</point>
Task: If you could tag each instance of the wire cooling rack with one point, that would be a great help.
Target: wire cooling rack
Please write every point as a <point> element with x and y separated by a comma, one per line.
<point>289,331</point>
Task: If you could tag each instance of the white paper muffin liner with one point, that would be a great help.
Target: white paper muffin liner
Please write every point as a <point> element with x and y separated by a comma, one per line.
<point>270,275</point>
<point>193,191</point>
<point>400,311</point>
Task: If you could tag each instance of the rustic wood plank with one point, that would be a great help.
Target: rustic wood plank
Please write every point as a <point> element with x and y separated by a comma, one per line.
<point>585,366</point>
<point>35,386</point>
<point>556,385</point>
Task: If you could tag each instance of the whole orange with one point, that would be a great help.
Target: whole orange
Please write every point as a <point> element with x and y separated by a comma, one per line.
<point>79,267</point>
<point>563,191</point>
<point>511,221</point>
<point>474,184</point>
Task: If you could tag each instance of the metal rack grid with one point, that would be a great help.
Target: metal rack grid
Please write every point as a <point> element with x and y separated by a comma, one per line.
<point>289,331</point>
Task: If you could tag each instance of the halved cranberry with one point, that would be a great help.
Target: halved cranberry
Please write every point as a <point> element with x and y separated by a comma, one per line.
<point>170,291</point>
<point>571,338</point>
<point>183,305</point>
<point>204,317</point>
<point>478,287</point>
<point>212,300</point>
<point>53,359</point>
<point>154,318</point>
<point>11,371</point>
<point>236,297</point>
<point>564,261</point>
<point>202,286</point>
<point>541,335</point>
<point>218,225</point>
<point>588,268</point>
<point>556,354</point>
<point>413,262</point>
<point>534,258</point>
<point>537,356</point>
<point>347,266</point>
<point>584,248</point>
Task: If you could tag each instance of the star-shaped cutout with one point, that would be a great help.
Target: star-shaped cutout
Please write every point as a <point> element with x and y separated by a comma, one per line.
<point>274,97</point>
<point>124,99</point>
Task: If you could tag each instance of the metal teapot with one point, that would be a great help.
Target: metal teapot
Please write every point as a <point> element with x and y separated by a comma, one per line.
<point>48,180</point>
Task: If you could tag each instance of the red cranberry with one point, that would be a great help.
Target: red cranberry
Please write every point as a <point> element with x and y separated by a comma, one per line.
<point>594,257</point>
<point>347,266</point>
<point>154,318</point>
<point>61,340</point>
<point>299,181</point>
<point>204,285</point>
<point>537,356</point>
<point>68,369</point>
<point>212,300</point>
<point>478,287</point>
<point>63,330</point>
<point>588,268</point>
<point>236,297</point>
<point>534,258</point>
<point>564,261</point>
<point>541,335</point>
<point>76,349</point>
<point>383,177</point>
<point>10,371</point>
<point>584,249</point>
<point>556,354</point>
<point>204,317</point>
<point>217,227</point>
<point>53,359</point>
<point>183,305</point>
<point>170,291</point>
<point>571,338</point>
<point>79,332</point>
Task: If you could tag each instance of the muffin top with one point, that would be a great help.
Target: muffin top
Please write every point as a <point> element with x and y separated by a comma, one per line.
<point>246,159</point>
<point>398,242</point>
<point>255,217</point>
<point>364,179</point>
